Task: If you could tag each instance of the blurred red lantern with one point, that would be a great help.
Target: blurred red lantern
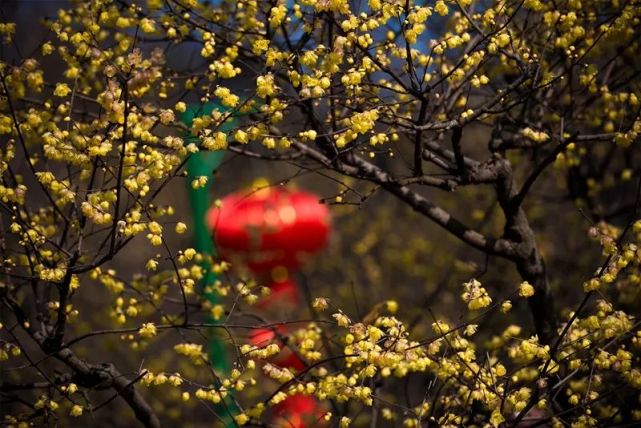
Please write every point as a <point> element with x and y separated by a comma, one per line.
<point>286,357</point>
<point>299,411</point>
<point>283,294</point>
<point>273,231</point>
<point>270,228</point>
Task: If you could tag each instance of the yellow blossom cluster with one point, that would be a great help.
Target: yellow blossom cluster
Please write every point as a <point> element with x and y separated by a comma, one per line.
<point>475,296</point>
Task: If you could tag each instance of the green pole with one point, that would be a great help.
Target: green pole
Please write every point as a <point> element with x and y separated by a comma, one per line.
<point>204,164</point>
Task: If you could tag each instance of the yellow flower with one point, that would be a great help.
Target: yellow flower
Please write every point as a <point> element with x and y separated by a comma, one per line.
<point>199,182</point>
<point>122,22</point>
<point>269,142</point>
<point>62,90</point>
<point>190,253</point>
<point>226,96</point>
<point>503,39</point>
<point>76,411</point>
<point>156,240</point>
<point>147,330</point>
<point>147,25</point>
<point>241,419</point>
<point>175,380</point>
<point>241,136</point>
<point>309,135</point>
<point>260,46</point>
<point>320,303</point>
<point>217,141</point>
<point>265,86</point>
<point>166,117</point>
<point>364,122</point>
<point>526,289</point>
<point>471,329</point>
<point>497,418</point>
<point>47,48</point>
<point>277,15</point>
<point>392,306</point>
<point>475,295</point>
<point>341,319</point>
<point>441,8</point>
<point>217,311</point>
<point>155,227</point>
<point>181,227</point>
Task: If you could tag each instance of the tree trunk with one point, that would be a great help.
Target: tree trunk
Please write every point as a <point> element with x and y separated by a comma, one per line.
<point>525,253</point>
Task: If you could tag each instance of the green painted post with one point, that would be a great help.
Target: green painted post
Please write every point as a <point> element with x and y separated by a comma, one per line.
<point>204,164</point>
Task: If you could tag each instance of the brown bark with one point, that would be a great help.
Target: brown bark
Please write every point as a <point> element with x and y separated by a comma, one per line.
<point>525,253</point>
<point>105,376</point>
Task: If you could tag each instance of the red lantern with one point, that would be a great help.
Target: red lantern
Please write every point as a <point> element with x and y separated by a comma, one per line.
<point>273,231</point>
<point>283,294</point>
<point>299,411</point>
<point>270,228</point>
<point>286,357</point>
